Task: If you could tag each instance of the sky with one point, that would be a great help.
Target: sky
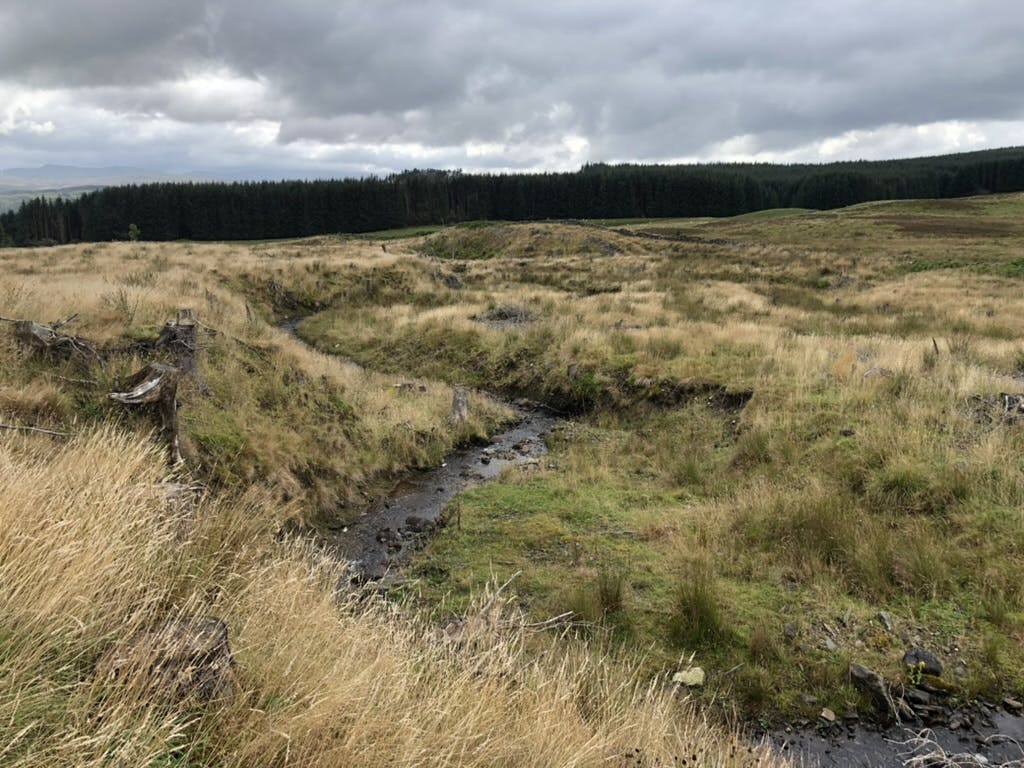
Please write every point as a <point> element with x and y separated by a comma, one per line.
<point>339,87</point>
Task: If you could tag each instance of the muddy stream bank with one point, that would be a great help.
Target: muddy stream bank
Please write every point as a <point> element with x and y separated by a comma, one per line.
<point>385,536</point>
<point>387,533</point>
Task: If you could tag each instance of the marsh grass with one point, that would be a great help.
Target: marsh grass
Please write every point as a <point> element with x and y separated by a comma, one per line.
<point>831,493</point>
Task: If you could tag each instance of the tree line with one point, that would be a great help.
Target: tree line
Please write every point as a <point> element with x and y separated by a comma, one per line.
<point>264,210</point>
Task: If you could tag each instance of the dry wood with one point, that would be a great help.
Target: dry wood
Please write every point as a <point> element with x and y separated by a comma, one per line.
<point>180,338</point>
<point>48,340</point>
<point>156,384</point>
<point>19,428</point>
<point>460,405</point>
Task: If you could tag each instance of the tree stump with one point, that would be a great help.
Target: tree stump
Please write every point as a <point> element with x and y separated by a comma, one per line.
<point>48,340</point>
<point>182,659</point>
<point>460,405</point>
<point>157,385</point>
<point>179,337</point>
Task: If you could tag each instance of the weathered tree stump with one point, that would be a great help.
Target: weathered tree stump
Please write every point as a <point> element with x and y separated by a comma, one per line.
<point>157,385</point>
<point>179,660</point>
<point>49,341</point>
<point>179,337</point>
<point>460,405</point>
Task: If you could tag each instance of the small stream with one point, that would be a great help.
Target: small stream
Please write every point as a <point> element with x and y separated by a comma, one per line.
<point>384,537</point>
<point>997,741</point>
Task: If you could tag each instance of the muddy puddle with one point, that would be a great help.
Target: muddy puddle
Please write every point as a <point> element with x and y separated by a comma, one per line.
<point>996,742</point>
<point>384,537</point>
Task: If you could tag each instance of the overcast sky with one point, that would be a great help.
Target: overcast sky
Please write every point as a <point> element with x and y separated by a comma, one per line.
<point>334,87</point>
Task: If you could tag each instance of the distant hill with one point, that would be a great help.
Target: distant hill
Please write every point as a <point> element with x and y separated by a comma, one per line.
<point>70,181</point>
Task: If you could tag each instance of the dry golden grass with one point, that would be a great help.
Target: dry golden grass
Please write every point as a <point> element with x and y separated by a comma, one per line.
<point>89,556</point>
<point>832,494</point>
<point>266,408</point>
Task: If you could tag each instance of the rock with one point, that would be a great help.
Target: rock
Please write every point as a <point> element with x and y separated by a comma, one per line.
<point>830,645</point>
<point>917,697</point>
<point>790,631</point>
<point>932,714</point>
<point>417,524</point>
<point>179,660</point>
<point>868,681</point>
<point>391,539</point>
<point>885,619</point>
<point>874,684</point>
<point>923,660</point>
<point>827,715</point>
<point>1013,705</point>
<point>692,677</point>
<point>877,372</point>
<point>806,698</point>
<point>452,281</point>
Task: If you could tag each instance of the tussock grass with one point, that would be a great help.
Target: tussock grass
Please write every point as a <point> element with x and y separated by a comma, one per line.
<point>90,555</point>
<point>861,476</point>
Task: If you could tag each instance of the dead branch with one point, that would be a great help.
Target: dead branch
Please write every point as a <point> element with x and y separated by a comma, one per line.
<point>18,428</point>
<point>69,380</point>
<point>67,321</point>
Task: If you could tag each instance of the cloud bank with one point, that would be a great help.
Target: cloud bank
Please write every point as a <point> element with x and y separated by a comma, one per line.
<point>359,87</point>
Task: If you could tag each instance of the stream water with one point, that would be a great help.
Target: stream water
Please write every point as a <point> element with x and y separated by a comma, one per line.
<point>384,537</point>
<point>998,742</point>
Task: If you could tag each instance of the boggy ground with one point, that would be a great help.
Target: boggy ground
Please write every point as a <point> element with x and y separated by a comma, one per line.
<point>101,556</point>
<point>864,476</point>
<point>760,535</point>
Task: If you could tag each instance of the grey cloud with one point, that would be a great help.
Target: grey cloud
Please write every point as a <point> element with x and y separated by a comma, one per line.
<point>640,80</point>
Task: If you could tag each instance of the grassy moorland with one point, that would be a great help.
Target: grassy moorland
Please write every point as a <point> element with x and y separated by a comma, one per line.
<point>860,478</point>
<point>672,517</point>
<point>95,553</point>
